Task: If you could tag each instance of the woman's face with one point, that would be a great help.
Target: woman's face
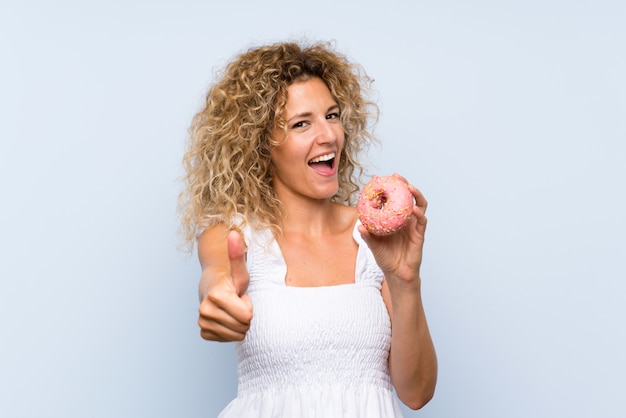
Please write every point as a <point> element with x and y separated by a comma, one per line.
<point>307,159</point>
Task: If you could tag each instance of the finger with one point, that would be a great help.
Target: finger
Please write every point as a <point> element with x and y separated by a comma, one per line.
<point>420,200</point>
<point>233,305</point>
<point>211,316</point>
<point>369,238</point>
<point>218,325</point>
<point>420,216</point>
<point>400,177</point>
<point>238,269</point>
<point>363,231</point>
<point>222,334</point>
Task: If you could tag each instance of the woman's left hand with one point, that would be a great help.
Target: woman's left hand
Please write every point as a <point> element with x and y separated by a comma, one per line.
<point>399,255</point>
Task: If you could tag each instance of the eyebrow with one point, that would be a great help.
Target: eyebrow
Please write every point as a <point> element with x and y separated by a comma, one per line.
<point>307,114</point>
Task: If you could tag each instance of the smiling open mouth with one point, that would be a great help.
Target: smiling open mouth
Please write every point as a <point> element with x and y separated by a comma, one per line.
<point>326,160</point>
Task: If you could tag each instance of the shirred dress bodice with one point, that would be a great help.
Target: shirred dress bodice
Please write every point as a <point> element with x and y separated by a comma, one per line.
<point>313,351</point>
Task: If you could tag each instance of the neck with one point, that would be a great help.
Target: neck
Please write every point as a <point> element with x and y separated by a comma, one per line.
<point>311,217</point>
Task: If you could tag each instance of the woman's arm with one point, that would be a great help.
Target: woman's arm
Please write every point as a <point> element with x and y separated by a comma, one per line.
<point>225,309</point>
<point>412,360</point>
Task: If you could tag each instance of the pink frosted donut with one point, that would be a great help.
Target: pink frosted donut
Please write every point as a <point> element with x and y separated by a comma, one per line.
<point>385,205</point>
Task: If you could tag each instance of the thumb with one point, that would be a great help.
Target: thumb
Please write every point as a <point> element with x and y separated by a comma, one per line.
<point>238,269</point>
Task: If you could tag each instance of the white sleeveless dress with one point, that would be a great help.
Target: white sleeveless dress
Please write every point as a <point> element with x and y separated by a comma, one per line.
<point>313,351</point>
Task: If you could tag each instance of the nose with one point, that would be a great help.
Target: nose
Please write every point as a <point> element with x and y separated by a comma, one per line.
<point>328,132</point>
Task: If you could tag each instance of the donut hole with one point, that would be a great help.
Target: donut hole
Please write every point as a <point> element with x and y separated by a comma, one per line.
<point>380,200</point>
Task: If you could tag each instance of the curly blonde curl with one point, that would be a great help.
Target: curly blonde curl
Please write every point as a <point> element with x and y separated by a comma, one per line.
<point>227,159</point>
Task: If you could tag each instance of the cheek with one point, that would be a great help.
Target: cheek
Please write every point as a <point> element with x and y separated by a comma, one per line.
<point>281,158</point>
<point>341,140</point>
<point>340,132</point>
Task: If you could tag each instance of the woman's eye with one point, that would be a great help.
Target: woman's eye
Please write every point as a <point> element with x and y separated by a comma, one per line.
<point>334,115</point>
<point>298,125</point>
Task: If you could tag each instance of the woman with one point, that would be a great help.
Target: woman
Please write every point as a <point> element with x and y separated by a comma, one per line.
<point>327,319</point>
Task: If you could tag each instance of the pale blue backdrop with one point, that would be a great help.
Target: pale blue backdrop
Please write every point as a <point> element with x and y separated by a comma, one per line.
<point>509,115</point>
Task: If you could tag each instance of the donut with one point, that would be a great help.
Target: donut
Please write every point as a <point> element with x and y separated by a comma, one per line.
<point>385,205</point>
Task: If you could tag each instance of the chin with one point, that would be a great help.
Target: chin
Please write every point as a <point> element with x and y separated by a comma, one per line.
<point>331,193</point>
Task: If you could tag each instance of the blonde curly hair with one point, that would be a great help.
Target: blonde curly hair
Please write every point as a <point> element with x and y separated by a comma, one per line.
<point>227,159</point>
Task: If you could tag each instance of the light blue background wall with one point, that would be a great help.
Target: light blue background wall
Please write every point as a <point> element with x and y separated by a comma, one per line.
<point>509,115</point>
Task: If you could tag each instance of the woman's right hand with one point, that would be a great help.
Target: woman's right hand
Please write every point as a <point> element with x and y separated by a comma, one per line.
<point>226,309</point>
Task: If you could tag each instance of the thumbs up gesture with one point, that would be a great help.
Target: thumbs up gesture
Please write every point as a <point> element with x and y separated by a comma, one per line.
<point>226,309</point>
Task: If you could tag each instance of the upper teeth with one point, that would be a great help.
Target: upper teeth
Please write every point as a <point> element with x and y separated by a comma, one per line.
<point>321,158</point>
